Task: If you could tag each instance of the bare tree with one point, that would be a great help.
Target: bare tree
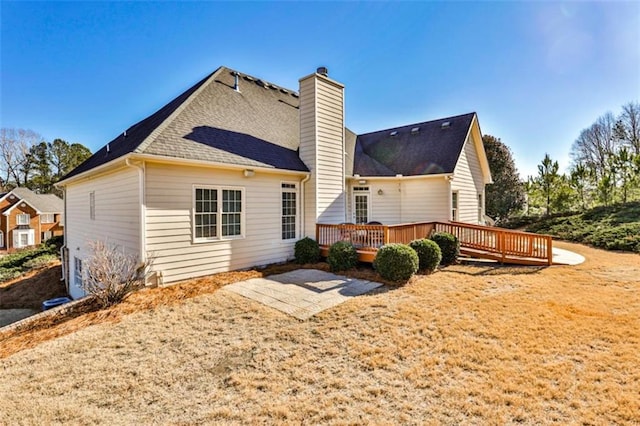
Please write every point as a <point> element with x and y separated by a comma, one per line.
<point>596,144</point>
<point>112,274</point>
<point>15,147</point>
<point>630,121</point>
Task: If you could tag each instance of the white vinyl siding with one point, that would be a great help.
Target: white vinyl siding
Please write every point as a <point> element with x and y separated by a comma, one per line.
<point>406,200</point>
<point>322,150</point>
<point>47,218</point>
<point>169,204</point>
<point>425,200</point>
<point>468,181</point>
<point>117,213</point>
<point>23,219</point>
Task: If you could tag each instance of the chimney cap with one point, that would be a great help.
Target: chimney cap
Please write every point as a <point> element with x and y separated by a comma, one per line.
<point>323,71</point>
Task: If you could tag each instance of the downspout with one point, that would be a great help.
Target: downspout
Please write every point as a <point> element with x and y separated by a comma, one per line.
<point>65,262</point>
<point>141,195</point>
<point>302,205</point>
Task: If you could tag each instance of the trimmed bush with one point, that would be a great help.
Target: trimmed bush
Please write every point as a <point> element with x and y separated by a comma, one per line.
<point>342,256</point>
<point>449,246</point>
<point>429,254</point>
<point>307,250</point>
<point>396,262</point>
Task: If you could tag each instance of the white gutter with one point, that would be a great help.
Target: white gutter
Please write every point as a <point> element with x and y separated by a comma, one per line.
<point>398,177</point>
<point>143,209</point>
<point>302,206</point>
<point>64,239</point>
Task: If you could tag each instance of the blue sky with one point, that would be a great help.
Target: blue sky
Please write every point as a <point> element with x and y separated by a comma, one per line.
<point>536,73</point>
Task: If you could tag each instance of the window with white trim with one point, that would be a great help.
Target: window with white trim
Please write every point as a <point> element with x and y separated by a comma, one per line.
<point>47,218</point>
<point>289,210</point>
<point>46,235</point>
<point>77,271</point>
<point>92,205</point>
<point>454,205</point>
<point>23,219</point>
<point>217,213</point>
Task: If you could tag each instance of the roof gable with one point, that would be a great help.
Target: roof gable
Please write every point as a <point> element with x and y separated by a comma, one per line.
<point>41,203</point>
<point>431,147</point>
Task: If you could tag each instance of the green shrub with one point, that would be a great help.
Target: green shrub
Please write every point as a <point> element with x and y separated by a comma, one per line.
<point>342,256</point>
<point>39,261</point>
<point>55,242</point>
<point>396,262</point>
<point>429,254</point>
<point>449,246</point>
<point>307,250</point>
<point>7,274</point>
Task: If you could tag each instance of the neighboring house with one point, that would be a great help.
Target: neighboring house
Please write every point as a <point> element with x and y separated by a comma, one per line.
<point>234,171</point>
<point>27,218</point>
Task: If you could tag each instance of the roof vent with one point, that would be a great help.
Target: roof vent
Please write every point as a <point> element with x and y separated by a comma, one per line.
<point>394,133</point>
<point>445,125</point>
<point>323,71</point>
<point>108,149</point>
<point>249,78</point>
<point>285,91</point>
<point>295,94</point>
<point>236,83</point>
<point>415,130</point>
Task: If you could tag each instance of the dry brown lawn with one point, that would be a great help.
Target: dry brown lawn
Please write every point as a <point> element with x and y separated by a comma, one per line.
<point>474,344</point>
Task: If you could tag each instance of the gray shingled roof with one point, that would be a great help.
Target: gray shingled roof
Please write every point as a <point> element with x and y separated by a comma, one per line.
<point>431,149</point>
<point>43,203</point>
<point>259,126</point>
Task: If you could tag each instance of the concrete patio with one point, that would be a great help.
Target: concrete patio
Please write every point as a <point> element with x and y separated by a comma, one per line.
<point>302,293</point>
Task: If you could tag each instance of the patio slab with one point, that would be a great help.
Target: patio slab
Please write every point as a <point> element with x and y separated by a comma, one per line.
<point>302,293</point>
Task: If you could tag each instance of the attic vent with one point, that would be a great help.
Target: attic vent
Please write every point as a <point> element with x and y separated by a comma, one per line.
<point>394,133</point>
<point>415,130</point>
<point>445,125</point>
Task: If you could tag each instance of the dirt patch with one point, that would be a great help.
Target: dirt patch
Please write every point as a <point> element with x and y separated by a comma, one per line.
<point>29,291</point>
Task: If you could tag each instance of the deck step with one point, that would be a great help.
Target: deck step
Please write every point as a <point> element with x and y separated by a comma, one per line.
<point>513,260</point>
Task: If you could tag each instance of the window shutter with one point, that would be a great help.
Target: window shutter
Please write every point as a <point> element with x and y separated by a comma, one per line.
<point>32,237</point>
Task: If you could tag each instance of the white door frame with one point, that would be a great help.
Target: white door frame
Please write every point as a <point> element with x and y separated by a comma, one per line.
<point>361,192</point>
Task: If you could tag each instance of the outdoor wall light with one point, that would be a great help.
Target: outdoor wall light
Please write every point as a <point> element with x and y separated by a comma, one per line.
<point>380,192</point>
<point>249,173</point>
<point>362,182</point>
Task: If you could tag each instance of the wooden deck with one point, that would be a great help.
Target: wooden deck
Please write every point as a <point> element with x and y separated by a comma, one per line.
<point>503,245</point>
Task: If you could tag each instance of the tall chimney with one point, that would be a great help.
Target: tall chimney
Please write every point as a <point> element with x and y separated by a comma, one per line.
<point>322,149</point>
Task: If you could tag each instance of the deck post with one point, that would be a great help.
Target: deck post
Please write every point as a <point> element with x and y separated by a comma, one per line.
<point>385,239</point>
<point>549,251</point>
<point>318,233</point>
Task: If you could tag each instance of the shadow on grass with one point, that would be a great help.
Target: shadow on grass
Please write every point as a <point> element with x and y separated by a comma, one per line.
<point>483,269</point>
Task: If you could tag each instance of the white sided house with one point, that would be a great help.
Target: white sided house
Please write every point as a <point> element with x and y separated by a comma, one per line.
<point>234,171</point>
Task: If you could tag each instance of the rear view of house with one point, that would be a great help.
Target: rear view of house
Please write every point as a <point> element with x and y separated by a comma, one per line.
<point>27,218</point>
<point>235,170</point>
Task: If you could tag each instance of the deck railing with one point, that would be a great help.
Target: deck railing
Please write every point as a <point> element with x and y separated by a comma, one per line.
<point>502,243</point>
